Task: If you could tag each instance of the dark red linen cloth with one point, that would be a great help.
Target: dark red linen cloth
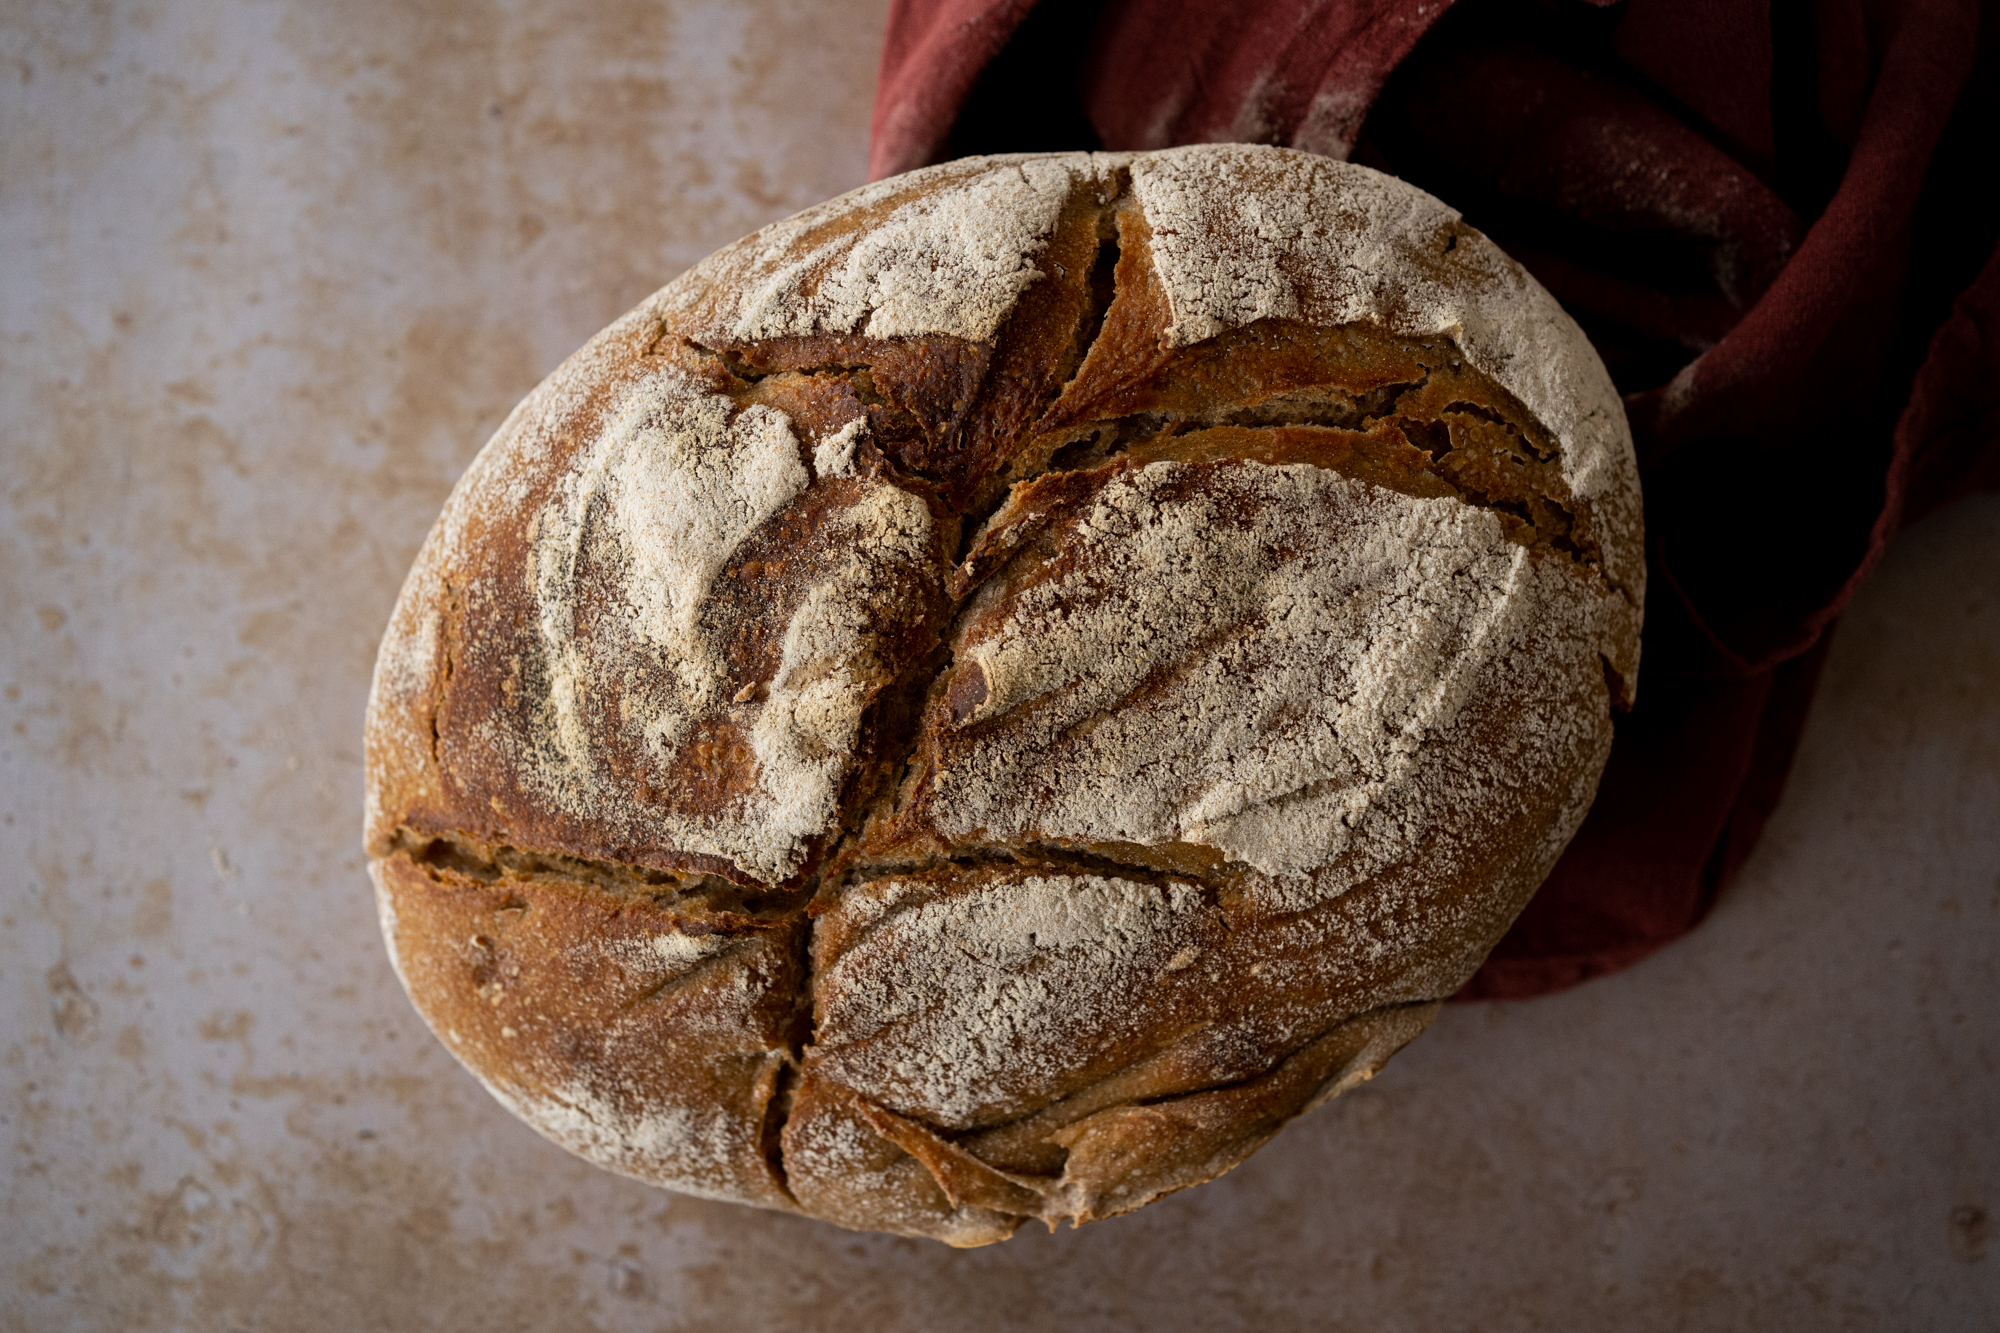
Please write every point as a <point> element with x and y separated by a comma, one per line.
<point>1767,215</point>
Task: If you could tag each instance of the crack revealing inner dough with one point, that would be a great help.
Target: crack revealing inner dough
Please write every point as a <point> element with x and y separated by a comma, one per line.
<point>1244,234</point>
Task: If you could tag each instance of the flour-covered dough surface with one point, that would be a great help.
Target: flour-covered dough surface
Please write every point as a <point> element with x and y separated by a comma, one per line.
<point>1241,657</point>
<point>982,700</point>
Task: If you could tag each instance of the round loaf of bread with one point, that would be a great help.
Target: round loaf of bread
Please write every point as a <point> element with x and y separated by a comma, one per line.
<point>984,699</point>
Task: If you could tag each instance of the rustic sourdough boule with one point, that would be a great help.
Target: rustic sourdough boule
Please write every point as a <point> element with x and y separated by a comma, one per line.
<point>984,699</point>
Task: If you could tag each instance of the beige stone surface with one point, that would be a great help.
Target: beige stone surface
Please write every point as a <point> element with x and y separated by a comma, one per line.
<point>269,272</point>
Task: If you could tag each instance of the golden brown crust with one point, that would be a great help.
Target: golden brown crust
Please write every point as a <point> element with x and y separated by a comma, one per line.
<point>983,700</point>
<point>648,1040</point>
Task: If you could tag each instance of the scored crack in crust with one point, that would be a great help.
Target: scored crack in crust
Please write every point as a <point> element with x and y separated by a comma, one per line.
<point>984,699</point>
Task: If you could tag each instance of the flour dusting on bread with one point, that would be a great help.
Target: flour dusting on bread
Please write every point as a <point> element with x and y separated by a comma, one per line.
<point>676,484</point>
<point>830,664</point>
<point>834,456</point>
<point>683,1148</point>
<point>1242,657</point>
<point>952,261</point>
<point>964,996</point>
<point>640,529</point>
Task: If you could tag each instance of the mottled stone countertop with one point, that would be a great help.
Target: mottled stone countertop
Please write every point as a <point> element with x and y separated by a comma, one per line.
<point>272,271</point>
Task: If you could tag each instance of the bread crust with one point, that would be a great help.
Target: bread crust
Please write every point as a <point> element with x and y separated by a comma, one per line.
<point>982,700</point>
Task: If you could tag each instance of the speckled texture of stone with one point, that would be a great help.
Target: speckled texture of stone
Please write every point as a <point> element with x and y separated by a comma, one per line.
<point>271,273</point>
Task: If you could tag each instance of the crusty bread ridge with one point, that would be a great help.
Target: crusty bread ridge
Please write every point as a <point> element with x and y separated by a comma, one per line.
<point>982,700</point>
